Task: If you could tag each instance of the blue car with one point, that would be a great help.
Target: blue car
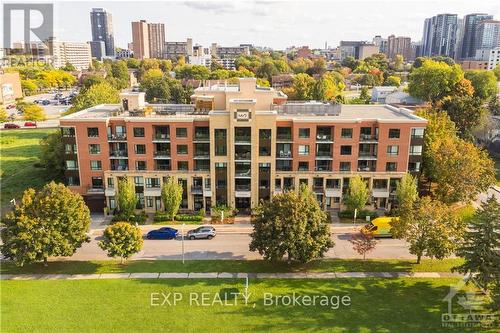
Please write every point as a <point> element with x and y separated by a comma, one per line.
<point>162,233</point>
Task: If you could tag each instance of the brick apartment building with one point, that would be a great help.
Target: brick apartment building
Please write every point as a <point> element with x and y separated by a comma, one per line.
<point>239,144</point>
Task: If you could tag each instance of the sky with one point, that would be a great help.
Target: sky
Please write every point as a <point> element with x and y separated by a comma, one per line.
<point>276,24</point>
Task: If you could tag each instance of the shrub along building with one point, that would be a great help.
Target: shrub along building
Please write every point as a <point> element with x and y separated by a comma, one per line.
<point>237,145</point>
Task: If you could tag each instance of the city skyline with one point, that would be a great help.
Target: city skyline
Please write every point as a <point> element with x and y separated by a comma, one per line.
<point>264,23</point>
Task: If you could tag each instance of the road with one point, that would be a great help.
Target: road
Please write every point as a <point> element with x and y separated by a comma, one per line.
<point>232,243</point>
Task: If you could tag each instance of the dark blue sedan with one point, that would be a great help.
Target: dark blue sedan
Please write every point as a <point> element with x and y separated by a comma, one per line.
<point>162,233</point>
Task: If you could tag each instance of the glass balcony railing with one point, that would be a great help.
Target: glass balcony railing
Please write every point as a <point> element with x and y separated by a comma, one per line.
<point>118,153</point>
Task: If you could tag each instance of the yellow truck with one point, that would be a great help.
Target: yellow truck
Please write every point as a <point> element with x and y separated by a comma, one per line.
<point>380,227</point>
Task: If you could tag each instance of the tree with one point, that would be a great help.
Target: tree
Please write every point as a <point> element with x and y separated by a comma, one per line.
<point>121,240</point>
<point>101,93</point>
<point>357,194</point>
<point>29,87</point>
<point>292,224</point>
<point>4,116</point>
<point>52,155</point>
<point>49,223</point>
<point>68,67</point>
<point>466,112</point>
<point>484,83</point>
<point>363,242</point>
<point>480,245</point>
<point>303,85</point>
<point>392,81</point>
<point>460,169</point>
<point>432,229</point>
<point>364,95</point>
<point>171,195</point>
<point>406,194</point>
<point>350,62</point>
<point>398,62</point>
<point>34,112</point>
<point>434,80</point>
<point>156,86</point>
<point>496,72</point>
<point>127,200</point>
<point>119,71</point>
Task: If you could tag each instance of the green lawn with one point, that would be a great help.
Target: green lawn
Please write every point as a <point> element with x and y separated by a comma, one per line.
<point>376,305</point>
<point>245,266</point>
<point>19,151</point>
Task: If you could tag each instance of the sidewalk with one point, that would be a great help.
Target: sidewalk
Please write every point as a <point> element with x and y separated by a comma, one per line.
<point>222,275</point>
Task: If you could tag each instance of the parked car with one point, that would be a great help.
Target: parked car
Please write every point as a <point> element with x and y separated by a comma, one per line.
<point>29,124</point>
<point>10,106</point>
<point>162,233</point>
<point>202,232</point>
<point>11,126</point>
<point>45,102</point>
<point>380,227</point>
<point>65,101</point>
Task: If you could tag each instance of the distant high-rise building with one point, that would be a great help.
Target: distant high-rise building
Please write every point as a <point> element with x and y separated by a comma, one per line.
<point>381,43</point>
<point>140,39</point>
<point>468,35</point>
<point>440,35</point>
<point>156,32</point>
<point>487,35</point>
<point>102,30</point>
<point>98,49</point>
<point>398,45</point>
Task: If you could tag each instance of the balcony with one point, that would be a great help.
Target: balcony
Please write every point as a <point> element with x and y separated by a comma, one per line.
<point>196,189</point>
<point>243,155</point>
<point>161,137</point>
<point>243,173</point>
<point>287,154</point>
<point>242,139</point>
<point>162,154</point>
<point>322,155</point>
<point>120,154</point>
<point>373,138</point>
<point>95,189</point>
<point>284,137</point>
<point>382,192</point>
<point>369,166</point>
<point>201,137</point>
<point>119,167</point>
<point>201,154</point>
<point>117,137</point>
<point>367,155</point>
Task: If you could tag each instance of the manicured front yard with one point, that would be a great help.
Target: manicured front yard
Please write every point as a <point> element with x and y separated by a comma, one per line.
<point>19,151</point>
<point>245,266</point>
<point>376,305</point>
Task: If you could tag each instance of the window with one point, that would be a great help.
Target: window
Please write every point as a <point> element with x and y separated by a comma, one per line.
<point>346,133</point>
<point>303,166</point>
<point>92,132</point>
<point>149,202</point>
<point>68,132</point>
<point>345,166</point>
<point>416,150</point>
<point>394,133</point>
<point>182,165</point>
<point>152,182</point>
<point>345,150</point>
<point>140,149</point>
<point>71,165</point>
<point>111,182</point>
<point>392,150</point>
<point>220,142</point>
<point>182,149</point>
<point>138,181</point>
<point>391,166</point>
<point>94,149</point>
<point>68,149</point>
<point>181,132</point>
<point>417,133</point>
<point>264,142</point>
<point>95,165</point>
<point>140,165</point>
<point>139,132</point>
<point>414,166</point>
<point>304,133</point>
<point>303,149</point>
<point>97,182</point>
<point>73,181</point>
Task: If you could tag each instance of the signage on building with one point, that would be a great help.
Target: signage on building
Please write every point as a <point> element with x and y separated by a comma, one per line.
<point>242,115</point>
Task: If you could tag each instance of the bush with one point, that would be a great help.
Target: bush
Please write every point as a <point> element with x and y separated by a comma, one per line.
<point>161,216</point>
<point>138,218</point>
<point>361,215</point>
<point>194,218</point>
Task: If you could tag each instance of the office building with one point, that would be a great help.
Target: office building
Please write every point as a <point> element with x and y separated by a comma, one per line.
<point>77,54</point>
<point>98,49</point>
<point>156,35</point>
<point>238,145</point>
<point>470,22</point>
<point>381,43</point>
<point>367,50</point>
<point>490,57</point>
<point>140,40</point>
<point>440,35</point>
<point>174,50</point>
<point>357,49</point>
<point>487,35</point>
<point>399,45</point>
<point>102,31</point>
<point>122,53</point>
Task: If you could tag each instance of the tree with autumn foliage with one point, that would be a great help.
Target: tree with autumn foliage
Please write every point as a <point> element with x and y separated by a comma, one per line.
<point>363,242</point>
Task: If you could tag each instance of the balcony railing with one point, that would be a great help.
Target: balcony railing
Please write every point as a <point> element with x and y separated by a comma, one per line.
<point>242,187</point>
<point>201,137</point>
<point>242,139</point>
<point>284,154</point>
<point>324,154</point>
<point>243,173</point>
<point>368,137</point>
<point>118,153</point>
<point>243,155</point>
<point>161,136</point>
<point>119,167</point>
<point>367,154</point>
<point>366,168</point>
<point>323,137</point>
<point>162,153</point>
<point>284,137</point>
<point>117,137</point>
<point>197,189</point>
<point>163,167</point>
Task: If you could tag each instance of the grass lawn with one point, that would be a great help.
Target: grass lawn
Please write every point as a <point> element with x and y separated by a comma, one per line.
<point>376,305</point>
<point>19,151</point>
<point>245,266</point>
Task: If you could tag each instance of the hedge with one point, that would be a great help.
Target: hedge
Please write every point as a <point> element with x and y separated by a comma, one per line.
<point>196,218</point>
<point>139,219</point>
<point>362,214</point>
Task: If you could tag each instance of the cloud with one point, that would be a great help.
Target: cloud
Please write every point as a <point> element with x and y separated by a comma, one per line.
<point>215,6</point>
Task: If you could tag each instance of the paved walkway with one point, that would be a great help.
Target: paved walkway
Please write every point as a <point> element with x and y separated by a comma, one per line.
<point>215,275</point>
